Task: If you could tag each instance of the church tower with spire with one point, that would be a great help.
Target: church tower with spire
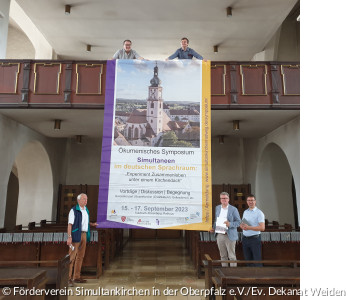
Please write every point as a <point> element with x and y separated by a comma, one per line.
<point>154,114</point>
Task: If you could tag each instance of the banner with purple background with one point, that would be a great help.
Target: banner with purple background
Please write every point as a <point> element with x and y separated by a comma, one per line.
<point>155,163</point>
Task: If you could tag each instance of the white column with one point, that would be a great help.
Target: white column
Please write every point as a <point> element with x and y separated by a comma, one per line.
<point>4,17</point>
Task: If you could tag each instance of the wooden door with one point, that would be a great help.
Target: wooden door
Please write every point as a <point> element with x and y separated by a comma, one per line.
<point>67,198</point>
<point>237,192</point>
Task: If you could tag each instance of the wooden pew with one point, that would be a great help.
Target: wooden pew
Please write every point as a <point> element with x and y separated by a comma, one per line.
<point>254,283</point>
<point>275,226</point>
<point>118,233</point>
<point>31,226</point>
<point>19,227</point>
<point>28,252</point>
<point>12,278</point>
<point>44,226</point>
<point>112,244</point>
<point>46,249</point>
<point>92,266</point>
<point>211,266</point>
<point>57,271</point>
<point>192,244</point>
<point>280,248</point>
<point>44,223</point>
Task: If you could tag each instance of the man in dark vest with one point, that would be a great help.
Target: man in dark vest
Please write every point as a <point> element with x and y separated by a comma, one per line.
<point>78,236</point>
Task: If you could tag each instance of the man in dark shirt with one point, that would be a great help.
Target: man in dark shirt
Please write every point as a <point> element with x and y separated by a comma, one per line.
<point>185,52</point>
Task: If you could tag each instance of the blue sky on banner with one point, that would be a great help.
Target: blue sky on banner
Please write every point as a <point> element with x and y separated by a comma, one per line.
<point>181,79</point>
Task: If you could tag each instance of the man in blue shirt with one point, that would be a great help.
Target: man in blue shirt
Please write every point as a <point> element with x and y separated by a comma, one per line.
<point>185,52</point>
<point>253,222</point>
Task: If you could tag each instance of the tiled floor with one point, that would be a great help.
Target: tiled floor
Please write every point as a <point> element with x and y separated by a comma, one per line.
<point>160,267</point>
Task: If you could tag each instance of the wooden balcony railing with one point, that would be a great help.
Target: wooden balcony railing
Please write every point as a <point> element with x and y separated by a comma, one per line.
<point>81,84</point>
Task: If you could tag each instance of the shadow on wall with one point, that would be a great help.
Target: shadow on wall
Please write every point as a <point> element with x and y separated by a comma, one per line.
<point>12,199</point>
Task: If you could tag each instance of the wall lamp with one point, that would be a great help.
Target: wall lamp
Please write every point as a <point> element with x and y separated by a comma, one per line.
<point>216,49</point>
<point>221,139</point>
<point>57,124</point>
<point>229,11</point>
<point>67,9</point>
<point>235,124</point>
<point>88,48</point>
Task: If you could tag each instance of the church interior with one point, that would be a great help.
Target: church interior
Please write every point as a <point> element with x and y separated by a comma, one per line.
<point>52,86</point>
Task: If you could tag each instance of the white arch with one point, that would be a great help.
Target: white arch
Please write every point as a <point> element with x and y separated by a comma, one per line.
<point>43,50</point>
<point>35,199</point>
<point>273,184</point>
<point>4,18</point>
<point>18,44</point>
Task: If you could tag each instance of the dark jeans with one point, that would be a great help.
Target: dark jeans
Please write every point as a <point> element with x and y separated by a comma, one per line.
<point>252,249</point>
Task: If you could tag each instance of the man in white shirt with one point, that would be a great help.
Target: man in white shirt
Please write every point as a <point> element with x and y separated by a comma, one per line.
<point>254,220</point>
<point>127,52</point>
<point>78,236</point>
<point>229,215</point>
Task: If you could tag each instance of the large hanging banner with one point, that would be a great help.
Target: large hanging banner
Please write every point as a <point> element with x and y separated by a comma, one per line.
<point>155,165</point>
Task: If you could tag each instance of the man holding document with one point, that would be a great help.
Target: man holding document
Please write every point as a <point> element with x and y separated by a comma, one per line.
<point>227,220</point>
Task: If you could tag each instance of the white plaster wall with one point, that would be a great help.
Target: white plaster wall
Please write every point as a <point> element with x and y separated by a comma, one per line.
<point>284,45</point>
<point>4,20</point>
<point>43,50</point>
<point>18,44</point>
<point>271,48</point>
<point>227,161</point>
<point>274,185</point>
<point>35,199</point>
<point>287,137</point>
<point>236,161</point>
<point>270,52</point>
<point>83,161</point>
<point>13,138</point>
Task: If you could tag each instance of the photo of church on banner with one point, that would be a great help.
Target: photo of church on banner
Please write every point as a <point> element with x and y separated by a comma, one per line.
<point>143,117</point>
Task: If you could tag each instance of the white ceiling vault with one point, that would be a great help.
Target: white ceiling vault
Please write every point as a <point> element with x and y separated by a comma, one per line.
<point>156,26</point>
<point>89,122</point>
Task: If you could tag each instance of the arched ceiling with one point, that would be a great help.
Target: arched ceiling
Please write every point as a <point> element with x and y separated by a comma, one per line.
<point>156,26</point>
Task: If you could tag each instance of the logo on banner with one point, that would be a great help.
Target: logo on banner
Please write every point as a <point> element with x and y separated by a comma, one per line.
<point>193,216</point>
<point>157,221</point>
<point>146,222</point>
<point>123,218</point>
<point>113,212</point>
